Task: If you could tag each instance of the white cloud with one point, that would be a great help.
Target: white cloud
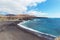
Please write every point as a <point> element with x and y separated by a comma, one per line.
<point>38,14</point>
<point>17,6</point>
<point>54,15</point>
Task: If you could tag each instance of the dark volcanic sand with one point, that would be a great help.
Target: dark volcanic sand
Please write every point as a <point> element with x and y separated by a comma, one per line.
<point>10,31</point>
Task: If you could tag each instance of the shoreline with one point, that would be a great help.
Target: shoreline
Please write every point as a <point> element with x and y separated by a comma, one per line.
<point>11,31</point>
<point>38,33</point>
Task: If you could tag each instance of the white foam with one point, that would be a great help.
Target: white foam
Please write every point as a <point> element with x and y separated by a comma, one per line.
<point>37,32</point>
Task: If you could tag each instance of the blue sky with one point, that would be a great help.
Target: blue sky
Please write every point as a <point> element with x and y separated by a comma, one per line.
<point>49,8</point>
<point>52,7</point>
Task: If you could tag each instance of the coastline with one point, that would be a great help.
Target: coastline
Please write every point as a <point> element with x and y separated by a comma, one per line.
<point>37,33</point>
<point>11,31</point>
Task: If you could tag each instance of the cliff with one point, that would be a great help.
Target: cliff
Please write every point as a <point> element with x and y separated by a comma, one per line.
<point>17,17</point>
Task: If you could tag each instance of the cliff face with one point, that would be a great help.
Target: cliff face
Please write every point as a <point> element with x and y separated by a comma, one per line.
<point>17,17</point>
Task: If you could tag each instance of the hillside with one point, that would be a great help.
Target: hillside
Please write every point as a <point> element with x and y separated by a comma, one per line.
<point>16,17</point>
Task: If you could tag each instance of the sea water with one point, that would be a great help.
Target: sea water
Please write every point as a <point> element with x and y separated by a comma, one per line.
<point>45,25</point>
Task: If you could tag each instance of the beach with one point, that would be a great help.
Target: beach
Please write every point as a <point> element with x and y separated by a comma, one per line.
<point>9,30</point>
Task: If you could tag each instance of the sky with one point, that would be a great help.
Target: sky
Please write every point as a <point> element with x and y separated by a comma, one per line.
<point>40,8</point>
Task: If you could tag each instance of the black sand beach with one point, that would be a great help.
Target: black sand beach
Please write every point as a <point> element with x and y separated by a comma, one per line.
<point>9,30</point>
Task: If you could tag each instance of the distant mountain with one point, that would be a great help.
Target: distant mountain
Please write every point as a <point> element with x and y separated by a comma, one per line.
<point>10,15</point>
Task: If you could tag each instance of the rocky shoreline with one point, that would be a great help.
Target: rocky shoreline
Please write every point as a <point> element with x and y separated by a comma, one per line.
<point>9,30</point>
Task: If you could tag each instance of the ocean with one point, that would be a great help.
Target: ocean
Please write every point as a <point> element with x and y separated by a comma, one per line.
<point>45,25</point>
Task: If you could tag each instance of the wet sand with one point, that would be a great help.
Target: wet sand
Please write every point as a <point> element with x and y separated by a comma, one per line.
<point>9,30</point>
